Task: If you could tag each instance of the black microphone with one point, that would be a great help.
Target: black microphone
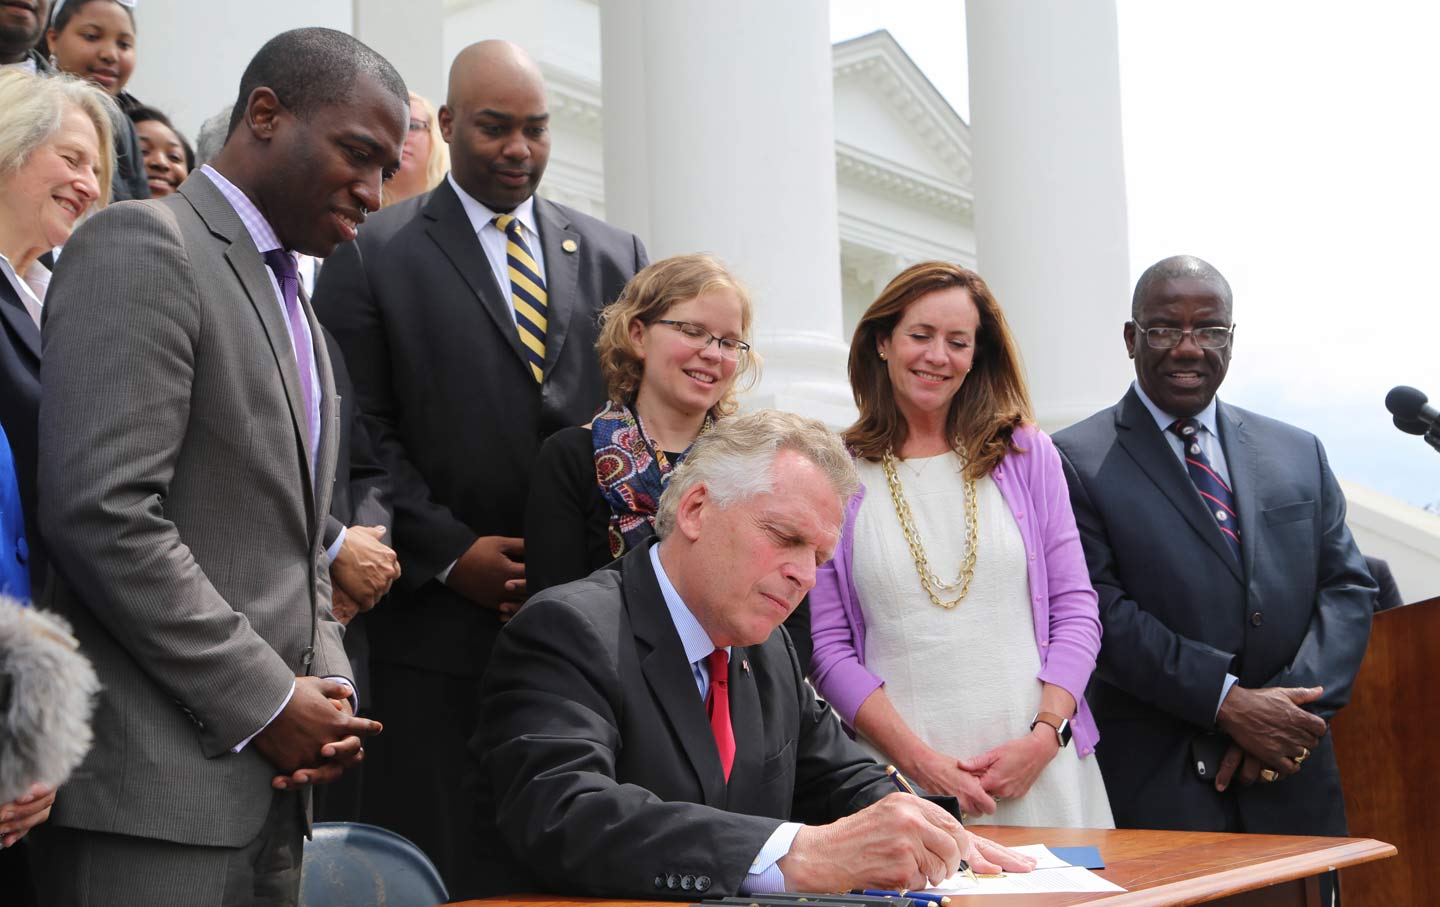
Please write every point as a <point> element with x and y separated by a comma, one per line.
<point>1411,405</point>
<point>1410,426</point>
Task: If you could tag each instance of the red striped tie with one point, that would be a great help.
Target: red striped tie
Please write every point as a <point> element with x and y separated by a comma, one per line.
<point>717,706</point>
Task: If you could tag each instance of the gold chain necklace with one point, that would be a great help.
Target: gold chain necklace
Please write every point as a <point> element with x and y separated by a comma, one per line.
<point>928,580</point>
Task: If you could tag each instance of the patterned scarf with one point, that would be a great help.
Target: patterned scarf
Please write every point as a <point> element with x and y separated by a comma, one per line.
<point>631,472</point>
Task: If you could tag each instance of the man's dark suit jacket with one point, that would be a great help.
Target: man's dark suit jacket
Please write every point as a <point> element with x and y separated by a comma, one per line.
<point>361,498</point>
<point>1179,612</point>
<point>597,770</point>
<point>455,414</point>
<point>20,414</point>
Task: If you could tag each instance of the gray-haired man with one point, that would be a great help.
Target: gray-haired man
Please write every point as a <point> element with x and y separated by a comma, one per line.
<point>646,732</point>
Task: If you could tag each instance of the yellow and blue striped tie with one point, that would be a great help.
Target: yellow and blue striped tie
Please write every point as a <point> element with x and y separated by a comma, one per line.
<point>527,292</point>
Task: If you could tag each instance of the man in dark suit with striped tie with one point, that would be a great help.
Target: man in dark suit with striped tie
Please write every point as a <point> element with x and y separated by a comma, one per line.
<point>468,319</point>
<point>1235,605</point>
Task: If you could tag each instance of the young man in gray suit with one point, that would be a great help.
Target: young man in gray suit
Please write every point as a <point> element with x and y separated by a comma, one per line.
<point>1235,605</point>
<point>188,443</point>
<point>463,369</point>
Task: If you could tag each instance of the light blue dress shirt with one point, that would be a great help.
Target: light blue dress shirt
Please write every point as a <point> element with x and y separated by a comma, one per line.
<point>764,875</point>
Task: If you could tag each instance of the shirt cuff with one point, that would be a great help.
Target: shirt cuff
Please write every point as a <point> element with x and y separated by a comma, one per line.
<point>354,710</point>
<point>334,550</point>
<point>1230,681</point>
<point>765,876</point>
<point>286,701</point>
<point>444,575</point>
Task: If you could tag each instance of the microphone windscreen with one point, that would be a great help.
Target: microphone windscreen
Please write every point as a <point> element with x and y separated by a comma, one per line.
<point>48,699</point>
<point>1410,426</point>
<point>1405,402</point>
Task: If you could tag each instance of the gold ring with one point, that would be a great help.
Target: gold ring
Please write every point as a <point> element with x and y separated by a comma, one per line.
<point>1268,774</point>
<point>1304,754</point>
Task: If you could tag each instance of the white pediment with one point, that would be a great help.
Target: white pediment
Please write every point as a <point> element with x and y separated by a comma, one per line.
<point>888,117</point>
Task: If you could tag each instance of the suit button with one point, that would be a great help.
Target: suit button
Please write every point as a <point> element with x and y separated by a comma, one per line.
<point>660,881</point>
<point>672,882</point>
<point>1256,619</point>
<point>687,883</point>
<point>702,883</point>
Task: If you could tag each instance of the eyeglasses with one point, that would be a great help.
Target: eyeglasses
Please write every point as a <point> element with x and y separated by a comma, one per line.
<point>1169,338</point>
<point>419,125</point>
<point>697,338</point>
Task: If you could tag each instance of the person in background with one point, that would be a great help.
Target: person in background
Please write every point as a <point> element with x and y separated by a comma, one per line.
<point>211,137</point>
<point>1236,606</point>
<point>168,157</point>
<point>426,158</point>
<point>671,349</point>
<point>55,167</point>
<point>468,319</point>
<point>95,40</point>
<point>22,25</point>
<point>956,628</point>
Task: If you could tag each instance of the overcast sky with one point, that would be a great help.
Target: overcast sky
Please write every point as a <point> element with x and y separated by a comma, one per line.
<point>1295,146</point>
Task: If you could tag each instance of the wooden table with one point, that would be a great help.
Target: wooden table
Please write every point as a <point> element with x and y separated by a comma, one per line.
<point>1157,869</point>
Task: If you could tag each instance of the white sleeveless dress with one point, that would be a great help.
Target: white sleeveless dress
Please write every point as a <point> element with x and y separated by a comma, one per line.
<point>965,680</point>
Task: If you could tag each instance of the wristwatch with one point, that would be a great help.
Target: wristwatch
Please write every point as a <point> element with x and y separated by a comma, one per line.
<point>1061,725</point>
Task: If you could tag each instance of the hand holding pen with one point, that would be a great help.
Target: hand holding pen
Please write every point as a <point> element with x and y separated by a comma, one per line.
<point>980,853</point>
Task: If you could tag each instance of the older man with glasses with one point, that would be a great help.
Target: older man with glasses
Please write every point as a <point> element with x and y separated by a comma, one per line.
<point>1235,605</point>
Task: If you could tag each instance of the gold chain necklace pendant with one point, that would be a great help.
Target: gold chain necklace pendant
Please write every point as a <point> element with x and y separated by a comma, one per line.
<point>928,580</point>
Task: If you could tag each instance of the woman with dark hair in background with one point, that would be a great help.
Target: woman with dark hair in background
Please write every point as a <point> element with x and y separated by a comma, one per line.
<point>168,157</point>
<point>955,628</point>
<point>95,40</point>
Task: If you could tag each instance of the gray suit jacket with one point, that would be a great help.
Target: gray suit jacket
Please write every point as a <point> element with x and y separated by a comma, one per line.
<point>177,493</point>
<point>1179,612</point>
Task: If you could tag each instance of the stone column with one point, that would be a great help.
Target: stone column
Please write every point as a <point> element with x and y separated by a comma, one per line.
<point>411,36</point>
<point>1050,217</point>
<point>191,54</point>
<point>720,137</point>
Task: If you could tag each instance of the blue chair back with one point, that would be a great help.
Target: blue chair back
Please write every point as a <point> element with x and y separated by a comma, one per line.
<point>350,864</point>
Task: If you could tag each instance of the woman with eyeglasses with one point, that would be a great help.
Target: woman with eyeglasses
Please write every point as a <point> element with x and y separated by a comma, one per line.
<point>424,158</point>
<point>671,348</point>
<point>955,628</point>
<point>94,40</point>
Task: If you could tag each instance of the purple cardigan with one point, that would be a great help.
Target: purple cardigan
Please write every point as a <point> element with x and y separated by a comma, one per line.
<point>1067,617</point>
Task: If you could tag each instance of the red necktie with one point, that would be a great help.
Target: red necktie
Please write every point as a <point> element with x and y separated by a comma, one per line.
<point>717,706</point>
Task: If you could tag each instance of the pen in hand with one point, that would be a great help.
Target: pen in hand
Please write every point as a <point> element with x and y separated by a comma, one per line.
<point>903,786</point>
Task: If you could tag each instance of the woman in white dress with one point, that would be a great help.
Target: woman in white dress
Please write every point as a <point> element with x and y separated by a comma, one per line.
<point>955,629</point>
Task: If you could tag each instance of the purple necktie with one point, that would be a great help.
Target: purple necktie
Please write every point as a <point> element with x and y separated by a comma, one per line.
<point>282,263</point>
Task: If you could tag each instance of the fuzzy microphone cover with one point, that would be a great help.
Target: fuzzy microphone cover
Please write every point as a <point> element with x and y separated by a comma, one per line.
<point>47,695</point>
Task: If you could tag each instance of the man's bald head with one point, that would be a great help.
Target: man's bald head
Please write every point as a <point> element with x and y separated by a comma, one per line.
<point>497,123</point>
<point>1174,268</point>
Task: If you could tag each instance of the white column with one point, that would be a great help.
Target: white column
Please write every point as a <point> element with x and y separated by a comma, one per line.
<point>720,137</point>
<point>190,55</point>
<point>411,35</point>
<point>1050,216</point>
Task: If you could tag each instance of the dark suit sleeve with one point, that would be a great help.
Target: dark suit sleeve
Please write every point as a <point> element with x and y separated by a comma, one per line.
<point>562,539</point>
<point>434,537</point>
<point>1334,645</point>
<point>370,493</point>
<point>552,705</point>
<point>1141,655</point>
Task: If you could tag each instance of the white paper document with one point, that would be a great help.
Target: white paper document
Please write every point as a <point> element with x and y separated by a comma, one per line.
<point>1051,874</point>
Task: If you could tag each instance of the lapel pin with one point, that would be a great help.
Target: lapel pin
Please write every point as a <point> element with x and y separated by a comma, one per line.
<point>569,245</point>
<point>745,665</point>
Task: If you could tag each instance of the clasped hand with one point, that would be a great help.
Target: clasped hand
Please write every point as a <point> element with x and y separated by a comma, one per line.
<point>491,573</point>
<point>362,571</point>
<point>316,736</point>
<point>1269,729</point>
<point>900,842</point>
